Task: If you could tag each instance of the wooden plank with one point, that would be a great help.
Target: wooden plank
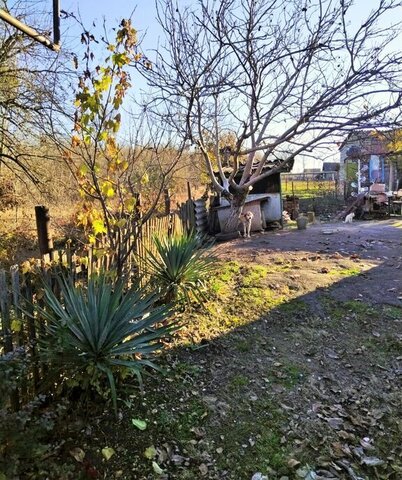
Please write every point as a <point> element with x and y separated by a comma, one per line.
<point>27,294</point>
<point>15,396</point>
<point>16,298</point>
<point>5,314</point>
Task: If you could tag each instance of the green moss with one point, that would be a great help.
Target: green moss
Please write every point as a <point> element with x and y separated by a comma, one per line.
<point>393,312</point>
<point>229,270</point>
<point>287,375</point>
<point>238,382</point>
<point>219,287</point>
<point>293,307</point>
<point>346,272</point>
<point>385,346</point>
<point>180,425</point>
<point>244,345</point>
<point>254,275</point>
<point>339,310</point>
<point>253,445</point>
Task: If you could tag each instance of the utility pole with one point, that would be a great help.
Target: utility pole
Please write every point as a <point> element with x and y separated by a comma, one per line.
<point>31,32</point>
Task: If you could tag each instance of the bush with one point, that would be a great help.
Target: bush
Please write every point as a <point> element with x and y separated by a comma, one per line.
<point>179,267</point>
<point>13,368</point>
<point>101,333</point>
<point>25,440</point>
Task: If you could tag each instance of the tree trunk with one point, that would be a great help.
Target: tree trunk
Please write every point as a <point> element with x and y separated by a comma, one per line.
<point>236,208</point>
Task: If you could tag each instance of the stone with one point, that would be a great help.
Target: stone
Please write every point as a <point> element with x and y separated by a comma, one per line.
<point>259,476</point>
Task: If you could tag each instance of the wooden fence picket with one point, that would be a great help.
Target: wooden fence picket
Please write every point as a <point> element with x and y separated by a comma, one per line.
<point>5,313</point>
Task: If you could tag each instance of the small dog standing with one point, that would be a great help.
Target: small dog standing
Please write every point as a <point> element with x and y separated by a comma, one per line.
<point>349,218</point>
<point>246,219</point>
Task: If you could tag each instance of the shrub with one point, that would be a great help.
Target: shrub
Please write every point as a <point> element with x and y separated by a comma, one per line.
<point>179,267</point>
<point>101,333</point>
<point>26,439</point>
<point>13,368</point>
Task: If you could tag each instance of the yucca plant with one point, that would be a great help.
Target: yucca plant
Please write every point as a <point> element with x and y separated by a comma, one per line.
<point>97,331</point>
<point>179,267</point>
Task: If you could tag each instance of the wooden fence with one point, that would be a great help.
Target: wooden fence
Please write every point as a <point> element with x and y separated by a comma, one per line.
<point>21,292</point>
<point>309,185</point>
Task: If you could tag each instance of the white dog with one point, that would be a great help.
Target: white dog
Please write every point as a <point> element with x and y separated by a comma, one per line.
<point>246,219</point>
<point>349,218</point>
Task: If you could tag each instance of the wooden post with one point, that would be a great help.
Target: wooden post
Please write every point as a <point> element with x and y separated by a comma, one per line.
<point>137,206</point>
<point>167,201</point>
<point>189,191</point>
<point>42,227</point>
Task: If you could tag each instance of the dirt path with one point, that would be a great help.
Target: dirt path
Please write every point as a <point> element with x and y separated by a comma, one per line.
<point>379,242</point>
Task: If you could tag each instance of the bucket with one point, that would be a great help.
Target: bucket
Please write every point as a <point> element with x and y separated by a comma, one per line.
<point>301,222</point>
<point>311,217</point>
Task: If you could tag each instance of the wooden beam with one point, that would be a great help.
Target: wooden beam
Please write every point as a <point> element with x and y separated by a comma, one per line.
<point>31,32</point>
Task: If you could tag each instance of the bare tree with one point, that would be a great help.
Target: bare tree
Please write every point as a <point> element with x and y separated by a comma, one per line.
<point>283,76</point>
<point>33,82</point>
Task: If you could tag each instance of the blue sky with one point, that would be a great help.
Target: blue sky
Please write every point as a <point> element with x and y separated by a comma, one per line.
<point>143,15</point>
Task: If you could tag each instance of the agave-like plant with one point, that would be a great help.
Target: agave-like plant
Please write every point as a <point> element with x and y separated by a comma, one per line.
<point>179,267</point>
<point>98,330</point>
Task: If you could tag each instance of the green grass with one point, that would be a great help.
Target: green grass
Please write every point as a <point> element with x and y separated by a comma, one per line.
<point>310,189</point>
<point>346,272</point>
<point>238,382</point>
<point>395,313</point>
<point>251,445</point>
<point>253,276</point>
<point>288,375</point>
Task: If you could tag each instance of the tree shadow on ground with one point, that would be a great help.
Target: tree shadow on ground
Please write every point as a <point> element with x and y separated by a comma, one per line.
<point>293,384</point>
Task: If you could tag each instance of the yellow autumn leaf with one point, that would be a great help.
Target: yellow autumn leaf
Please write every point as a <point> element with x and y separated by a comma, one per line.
<point>121,223</point>
<point>102,136</point>
<point>108,452</point>
<point>25,267</point>
<point>16,325</point>
<point>129,204</point>
<point>150,452</point>
<point>83,170</point>
<point>98,227</point>
<point>107,189</point>
<point>103,84</point>
<point>145,179</point>
<point>84,261</point>
<point>82,219</point>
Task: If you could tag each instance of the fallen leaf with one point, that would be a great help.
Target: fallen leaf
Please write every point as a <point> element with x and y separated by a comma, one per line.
<point>78,454</point>
<point>157,469</point>
<point>292,463</point>
<point>108,452</point>
<point>372,461</point>
<point>366,444</point>
<point>150,452</point>
<point>335,422</point>
<point>177,459</point>
<point>203,469</point>
<point>140,424</point>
